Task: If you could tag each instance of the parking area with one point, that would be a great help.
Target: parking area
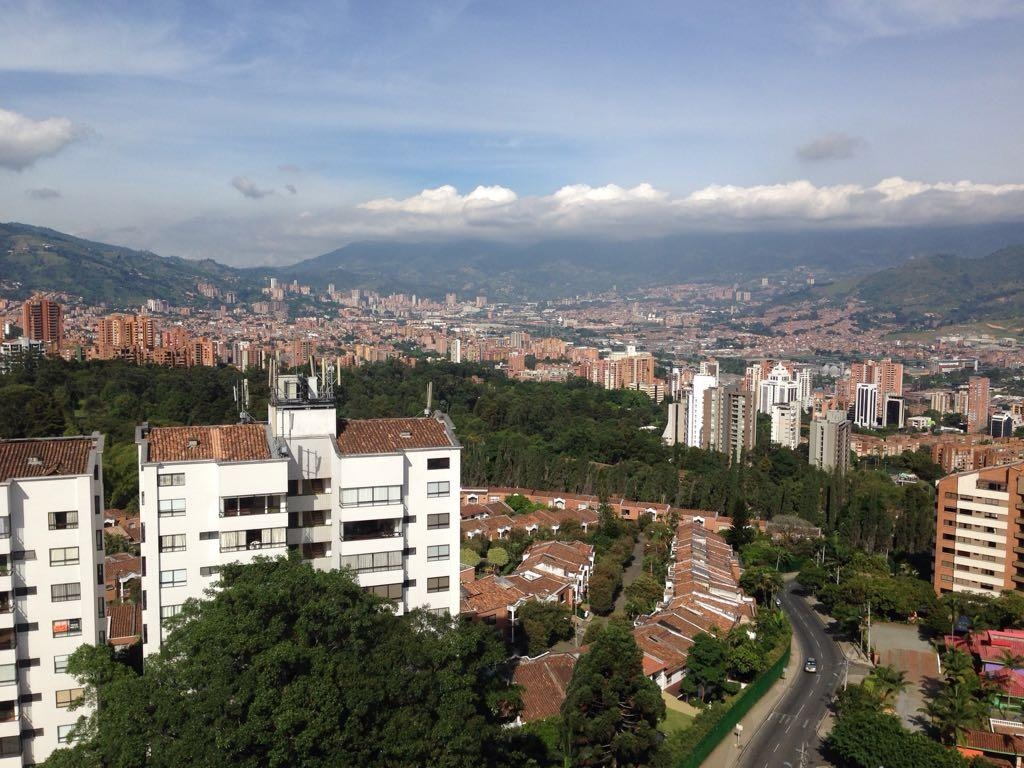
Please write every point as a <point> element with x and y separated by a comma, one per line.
<point>901,646</point>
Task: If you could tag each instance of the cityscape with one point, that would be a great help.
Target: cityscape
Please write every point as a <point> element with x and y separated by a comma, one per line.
<point>689,433</point>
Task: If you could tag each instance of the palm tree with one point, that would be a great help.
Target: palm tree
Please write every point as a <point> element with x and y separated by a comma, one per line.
<point>888,683</point>
<point>1010,660</point>
<point>954,711</point>
<point>958,667</point>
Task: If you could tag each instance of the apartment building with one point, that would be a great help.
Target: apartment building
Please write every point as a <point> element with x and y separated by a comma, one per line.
<point>829,442</point>
<point>786,425</point>
<point>42,320</point>
<point>51,586</point>
<point>730,422</point>
<point>866,406</point>
<point>979,542</point>
<point>378,496</point>
<point>978,401</point>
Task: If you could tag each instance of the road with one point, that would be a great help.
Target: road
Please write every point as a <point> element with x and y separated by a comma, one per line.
<point>794,721</point>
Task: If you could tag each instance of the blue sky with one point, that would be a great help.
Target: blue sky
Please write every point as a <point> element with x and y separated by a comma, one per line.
<point>254,133</point>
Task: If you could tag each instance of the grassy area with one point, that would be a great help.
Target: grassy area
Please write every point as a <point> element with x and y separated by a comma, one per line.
<point>674,721</point>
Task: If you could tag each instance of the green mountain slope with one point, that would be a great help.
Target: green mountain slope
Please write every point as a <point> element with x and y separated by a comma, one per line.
<point>40,259</point>
<point>951,289</point>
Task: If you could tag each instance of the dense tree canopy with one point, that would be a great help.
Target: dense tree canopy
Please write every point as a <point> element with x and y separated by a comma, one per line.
<point>288,666</point>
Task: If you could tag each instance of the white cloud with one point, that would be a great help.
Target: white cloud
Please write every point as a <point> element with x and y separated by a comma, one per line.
<point>582,194</point>
<point>444,200</point>
<point>845,19</point>
<point>248,188</point>
<point>24,140</point>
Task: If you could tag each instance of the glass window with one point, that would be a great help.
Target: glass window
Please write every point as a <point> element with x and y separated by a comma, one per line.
<point>64,556</point>
<point>371,496</point>
<point>174,578</point>
<point>171,507</point>
<point>209,570</point>
<point>64,733</point>
<point>60,593</point>
<point>387,591</point>
<point>59,521</point>
<point>67,627</point>
<point>60,663</point>
<point>166,611</point>
<point>69,696</point>
<point>173,543</point>
<point>437,584</point>
<point>438,490</point>
<point>208,535</point>
<point>442,463</point>
<point>177,478</point>
<point>436,521</point>
<point>372,562</point>
<point>8,674</point>
<point>437,552</point>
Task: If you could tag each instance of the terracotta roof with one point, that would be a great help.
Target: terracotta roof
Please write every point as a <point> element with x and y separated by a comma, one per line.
<point>1000,743</point>
<point>45,457</point>
<point>125,623</point>
<point>543,681</point>
<point>225,442</point>
<point>489,594</point>
<point>121,564</point>
<point>392,435</point>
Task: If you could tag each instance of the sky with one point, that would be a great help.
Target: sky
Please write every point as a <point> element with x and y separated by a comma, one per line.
<point>265,133</point>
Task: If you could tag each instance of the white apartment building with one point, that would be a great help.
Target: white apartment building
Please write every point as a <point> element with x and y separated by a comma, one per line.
<point>378,496</point>
<point>779,387</point>
<point>702,383</point>
<point>866,406</point>
<point>51,586</point>
<point>786,424</point>
<point>829,442</point>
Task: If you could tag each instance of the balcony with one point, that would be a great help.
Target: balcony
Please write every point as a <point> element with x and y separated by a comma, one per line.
<point>364,530</point>
<point>8,639</point>
<point>6,602</point>
<point>316,550</point>
<point>309,502</point>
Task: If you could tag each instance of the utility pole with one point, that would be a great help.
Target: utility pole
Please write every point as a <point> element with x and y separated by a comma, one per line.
<point>869,630</point>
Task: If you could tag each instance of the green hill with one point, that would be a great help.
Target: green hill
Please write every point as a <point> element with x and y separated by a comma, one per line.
<point>40,259</point>
<point>950,290</point>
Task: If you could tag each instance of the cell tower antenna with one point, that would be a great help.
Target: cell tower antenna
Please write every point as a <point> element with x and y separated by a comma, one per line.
<point>430,397</point>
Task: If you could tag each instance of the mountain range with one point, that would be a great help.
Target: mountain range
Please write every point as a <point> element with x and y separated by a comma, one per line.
<point>891,269</point>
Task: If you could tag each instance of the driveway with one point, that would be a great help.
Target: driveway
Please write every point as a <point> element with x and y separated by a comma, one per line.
<point>902,647</point>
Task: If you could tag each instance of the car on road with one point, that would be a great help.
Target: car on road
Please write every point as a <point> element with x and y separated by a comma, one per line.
<point>811,664</point>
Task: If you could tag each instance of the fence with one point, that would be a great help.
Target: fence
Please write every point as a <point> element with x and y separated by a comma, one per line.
<point>739,707</point>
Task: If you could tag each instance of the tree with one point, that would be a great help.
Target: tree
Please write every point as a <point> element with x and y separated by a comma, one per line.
<point>642,595</point>
<point>867,738</point>
<point>497,556</point>
<point>543,625</point>
<point>706,668</point>
<point>886,683</point>
<point>611,709</point>
<point>739,534</point>
<point>286,666</point>
<point>954,710</point>
<point>469,557</point>
<point>761,582</point>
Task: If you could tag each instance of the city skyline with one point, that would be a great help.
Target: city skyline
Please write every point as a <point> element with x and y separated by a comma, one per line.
<point>256,136</point>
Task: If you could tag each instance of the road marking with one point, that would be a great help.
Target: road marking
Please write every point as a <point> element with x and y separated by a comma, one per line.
<point>804,726</point>
<point>776,749</point>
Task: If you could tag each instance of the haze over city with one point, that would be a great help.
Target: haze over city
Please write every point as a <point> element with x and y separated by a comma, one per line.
<point>256,134</point>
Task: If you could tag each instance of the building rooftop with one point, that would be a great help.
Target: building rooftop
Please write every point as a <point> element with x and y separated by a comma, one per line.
<point>368,436</point>
<point>543,681</point>
<point>45,457</point>
<point>230,442</point>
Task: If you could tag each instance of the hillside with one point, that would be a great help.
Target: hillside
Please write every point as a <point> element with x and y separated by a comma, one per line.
<point>950,290</point>
<point>40,259</point>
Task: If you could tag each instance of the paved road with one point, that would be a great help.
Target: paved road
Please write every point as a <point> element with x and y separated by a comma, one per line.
<point>634,569</point>
<point>794,721</point>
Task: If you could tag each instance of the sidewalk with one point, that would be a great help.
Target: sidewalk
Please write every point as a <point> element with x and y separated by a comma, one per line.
<point>728,751</point>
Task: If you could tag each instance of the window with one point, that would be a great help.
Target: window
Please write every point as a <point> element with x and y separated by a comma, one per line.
<point>67,627</point>
<point>60,593</point>
<point>239,506</point>
<point>177,478</point>
<point>101,608</point>
<point>437,521</point>
<point>387,591</point>
<point>30,698</point>
<point>442,463</point>
<point>64,733</point>
<point>209,535</point>
<point>175,542</point>
<point>257,538</point>
<point>175,578</point>
<point>24,591</point>
<point>209,570</point>
<point>438,552</point>
<point>21,555</point>
<point>171,507</point>
<point>375,561</point>
<point>99,540</point>
<point>438,490</point>
<point>384,528</point>
<point>437,584</point>
<point>5,527</point>
<point>440,612</point>
<point>68,696</point>
<point>59,521</point>
<point>60,663</point>
<point>167,611</point>
<point>10,745</point>
<point>8,674</point>
<point>64,556</point>
<point>371,496</point>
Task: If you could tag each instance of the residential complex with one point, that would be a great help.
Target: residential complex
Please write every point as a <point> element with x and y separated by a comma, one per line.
<point>51,599</point>
<point>42,319</point>
<point>380,497</point>
<point>978,400</point>
<point>979,546</point>
<point>829,443</point>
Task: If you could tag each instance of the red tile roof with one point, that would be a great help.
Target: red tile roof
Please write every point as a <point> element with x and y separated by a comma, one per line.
<point>225,442</point>
<point>1000,743</point>
<point>125,624</point>
<point>392,435</point>
<point>121,564</point>
<point>45,457</point>
<point>543,681</point>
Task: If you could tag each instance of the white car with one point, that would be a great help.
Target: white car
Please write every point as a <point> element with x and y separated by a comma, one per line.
<point>811,664</point>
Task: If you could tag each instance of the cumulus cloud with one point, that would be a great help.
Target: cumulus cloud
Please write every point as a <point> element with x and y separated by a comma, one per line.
<point>831,146</point>
<point>23,140</point>
<point>43,193</point>
<point>249,189</point>
<point>444,200</point>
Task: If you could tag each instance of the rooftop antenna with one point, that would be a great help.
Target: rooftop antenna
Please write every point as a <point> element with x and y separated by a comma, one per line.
<point>430,397</point>
<point>241,391</point>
